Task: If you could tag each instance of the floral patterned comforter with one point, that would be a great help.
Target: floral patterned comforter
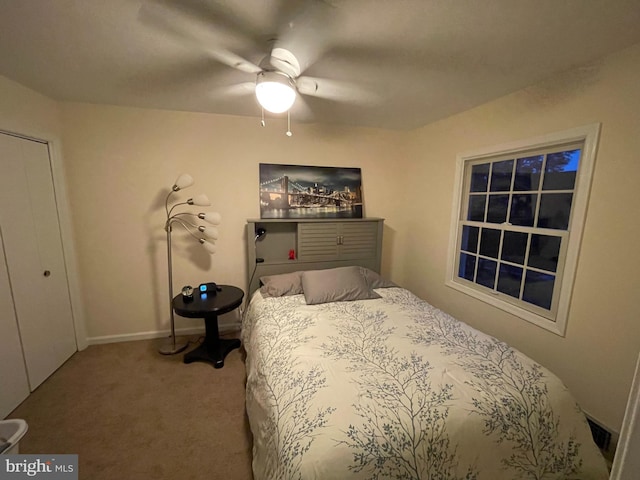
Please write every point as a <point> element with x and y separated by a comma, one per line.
<point>395,388</point>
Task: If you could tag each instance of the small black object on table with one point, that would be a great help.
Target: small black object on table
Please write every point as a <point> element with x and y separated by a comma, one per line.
<point>208,306</point>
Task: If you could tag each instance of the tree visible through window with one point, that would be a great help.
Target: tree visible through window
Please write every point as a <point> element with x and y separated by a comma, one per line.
<point>512,232</point>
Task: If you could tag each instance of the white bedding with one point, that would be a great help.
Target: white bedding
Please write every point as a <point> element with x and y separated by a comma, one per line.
<point>394,388</point>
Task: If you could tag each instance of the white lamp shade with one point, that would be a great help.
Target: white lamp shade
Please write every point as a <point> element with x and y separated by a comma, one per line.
<point>275,92</point>
<point>209,247</point>
<point>209,232</point>
<point>185,180</point>
<point>201,200</point>
<point>214,218</point>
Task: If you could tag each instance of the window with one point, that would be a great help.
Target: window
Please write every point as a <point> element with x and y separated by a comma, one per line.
<point>517,223</point>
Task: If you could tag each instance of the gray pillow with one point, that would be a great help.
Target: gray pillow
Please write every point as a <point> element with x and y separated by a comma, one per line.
<point>374,280</point>
<point>342,284</point>
<point>281,285</point>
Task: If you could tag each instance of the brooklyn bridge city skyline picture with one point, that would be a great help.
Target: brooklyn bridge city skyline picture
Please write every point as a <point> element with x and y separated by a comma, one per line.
<point>299,191</point>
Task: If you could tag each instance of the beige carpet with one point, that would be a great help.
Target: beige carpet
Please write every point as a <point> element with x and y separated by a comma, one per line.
<point>131,413</point>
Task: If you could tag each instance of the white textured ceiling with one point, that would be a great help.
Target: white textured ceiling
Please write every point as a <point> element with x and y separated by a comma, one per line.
<point>407,62</point>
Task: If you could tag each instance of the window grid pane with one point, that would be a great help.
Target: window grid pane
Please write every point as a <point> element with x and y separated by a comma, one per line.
<point>490,242</point>
<point>560,170</point>
<point>502,176</point>
<point>470,236</point>
<point>523,208</point>
<point>510,280</point>
<point>486,274</point>
<point>467,266</point>
<point>538,289</point>
<point>480,177</point>
<point>528,174</point>
<point>497,210</point>
<point>554,210</point>
<point>477,206</point>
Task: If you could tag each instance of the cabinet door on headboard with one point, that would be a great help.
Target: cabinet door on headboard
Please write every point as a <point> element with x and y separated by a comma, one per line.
<point>338,241</point>
<point>318,241</point>
<point>359,240</point>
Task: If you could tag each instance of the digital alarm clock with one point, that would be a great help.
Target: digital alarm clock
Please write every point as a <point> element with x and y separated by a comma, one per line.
<point>209,288</point>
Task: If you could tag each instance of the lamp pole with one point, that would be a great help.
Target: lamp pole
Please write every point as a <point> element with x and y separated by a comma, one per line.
<point>174,347</point>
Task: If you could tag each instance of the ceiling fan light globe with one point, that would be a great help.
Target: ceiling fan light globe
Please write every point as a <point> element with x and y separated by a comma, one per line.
<point>275,92</point>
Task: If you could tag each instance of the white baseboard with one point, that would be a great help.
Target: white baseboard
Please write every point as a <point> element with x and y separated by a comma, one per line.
<point>131,337</point>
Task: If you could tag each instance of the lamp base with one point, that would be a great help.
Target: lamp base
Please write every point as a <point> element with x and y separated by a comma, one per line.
<point>171,348</point>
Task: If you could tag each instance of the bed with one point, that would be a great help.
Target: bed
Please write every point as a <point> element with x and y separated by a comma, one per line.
<point>352,377</point>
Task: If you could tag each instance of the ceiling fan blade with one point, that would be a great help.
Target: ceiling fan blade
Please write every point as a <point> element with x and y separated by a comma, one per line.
<point>214,15</point>
<point>233,60</point>
<point>181,22</point>
<point>235,90</point>
<point>304,35</point>
<point>372,60</point>
<point>181,75</point>
<point>301,112</point>
<point>336,90</point>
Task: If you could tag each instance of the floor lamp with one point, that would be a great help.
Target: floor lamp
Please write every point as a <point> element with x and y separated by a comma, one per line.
<point>206,235</point>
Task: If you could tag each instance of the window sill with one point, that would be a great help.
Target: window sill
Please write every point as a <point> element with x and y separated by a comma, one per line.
<point>557,327</point>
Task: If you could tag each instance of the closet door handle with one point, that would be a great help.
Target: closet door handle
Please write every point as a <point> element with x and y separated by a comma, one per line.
<point>46,273</point>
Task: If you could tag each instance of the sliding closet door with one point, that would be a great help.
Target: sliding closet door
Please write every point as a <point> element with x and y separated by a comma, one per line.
<point>14,386</point>
<point>34,256</point>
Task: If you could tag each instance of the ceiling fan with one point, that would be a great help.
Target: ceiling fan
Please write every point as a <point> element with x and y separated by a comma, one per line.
<point>303,33</point>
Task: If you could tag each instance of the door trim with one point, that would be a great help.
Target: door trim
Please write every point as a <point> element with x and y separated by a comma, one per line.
<point>625,462</point>
<point>66,231</point>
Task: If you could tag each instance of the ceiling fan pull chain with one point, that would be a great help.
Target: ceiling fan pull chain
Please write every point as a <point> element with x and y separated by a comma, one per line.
<point>289,123</point>
<point>262,120</point>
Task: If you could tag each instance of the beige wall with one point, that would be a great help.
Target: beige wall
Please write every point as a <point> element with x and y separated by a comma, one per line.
<point>26,112</point>
<point>121,162</point>
<point>596,358</point>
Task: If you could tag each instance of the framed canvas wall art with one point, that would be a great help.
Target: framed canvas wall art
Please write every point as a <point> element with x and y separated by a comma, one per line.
<point>297,191</point>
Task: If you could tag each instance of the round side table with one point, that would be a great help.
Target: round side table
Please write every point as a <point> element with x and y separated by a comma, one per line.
<point>208,306</point>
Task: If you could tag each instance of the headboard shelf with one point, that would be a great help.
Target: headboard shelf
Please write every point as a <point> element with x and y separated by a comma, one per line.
<point>316,244</point>
<point>313,220</point>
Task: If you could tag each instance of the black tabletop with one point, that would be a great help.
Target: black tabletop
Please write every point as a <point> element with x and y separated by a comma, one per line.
<point>226,300</point>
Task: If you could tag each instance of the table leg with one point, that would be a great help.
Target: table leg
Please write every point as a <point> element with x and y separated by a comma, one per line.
<point>214,349</point>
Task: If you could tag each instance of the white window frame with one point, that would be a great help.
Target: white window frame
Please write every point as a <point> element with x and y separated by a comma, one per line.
<point>587,135</point>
